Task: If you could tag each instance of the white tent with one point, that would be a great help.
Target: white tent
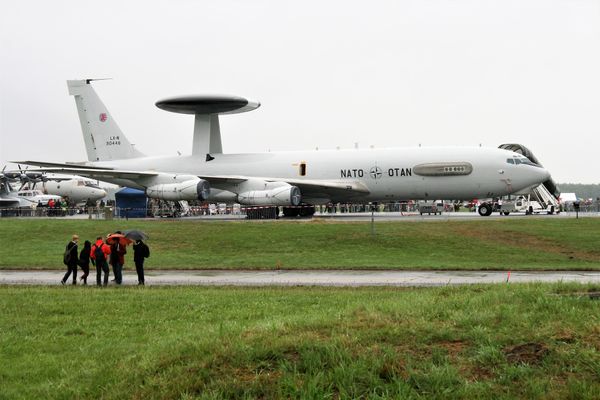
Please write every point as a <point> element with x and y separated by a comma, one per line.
<point>567,198</point>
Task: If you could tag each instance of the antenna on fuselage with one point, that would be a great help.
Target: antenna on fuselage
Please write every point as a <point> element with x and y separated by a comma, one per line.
<point>206,110</point>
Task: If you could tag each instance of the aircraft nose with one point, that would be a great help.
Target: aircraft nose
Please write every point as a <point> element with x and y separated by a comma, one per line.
<point>543,174</point>
<point>539,175</point>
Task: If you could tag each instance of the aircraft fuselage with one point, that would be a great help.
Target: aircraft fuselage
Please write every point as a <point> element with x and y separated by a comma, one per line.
<point>389,174</point>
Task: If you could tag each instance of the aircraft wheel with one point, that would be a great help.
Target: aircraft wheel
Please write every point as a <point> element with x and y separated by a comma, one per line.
<point>505,212</point>
<point>307,211</point>
<point>485,210</point>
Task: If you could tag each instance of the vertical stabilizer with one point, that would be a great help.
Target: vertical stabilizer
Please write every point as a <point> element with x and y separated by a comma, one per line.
<point>103,138</point>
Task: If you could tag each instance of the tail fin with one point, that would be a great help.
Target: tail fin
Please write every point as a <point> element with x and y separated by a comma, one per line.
<point>102,136</point>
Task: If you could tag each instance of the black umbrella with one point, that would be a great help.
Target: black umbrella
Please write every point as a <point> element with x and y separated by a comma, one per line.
<point>134,234</point>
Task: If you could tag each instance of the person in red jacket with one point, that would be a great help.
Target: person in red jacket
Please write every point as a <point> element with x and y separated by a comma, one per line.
<point>99,254</point>
<point>117,259</point>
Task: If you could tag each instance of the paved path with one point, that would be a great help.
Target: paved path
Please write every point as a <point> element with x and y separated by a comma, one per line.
<point>313,278</point>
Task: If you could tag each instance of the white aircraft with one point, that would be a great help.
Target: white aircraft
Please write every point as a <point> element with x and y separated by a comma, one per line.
<point>75,188</point>
<point>287,179</point>
<point>37,197</point>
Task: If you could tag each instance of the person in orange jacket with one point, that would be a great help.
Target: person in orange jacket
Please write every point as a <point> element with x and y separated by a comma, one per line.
<point>99,254</point>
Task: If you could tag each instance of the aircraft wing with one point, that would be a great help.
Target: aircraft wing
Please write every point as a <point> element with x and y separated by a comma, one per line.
<point>89,171</point>
<point>311,188</point>
<point>327,189</point>
<point>56,165</point>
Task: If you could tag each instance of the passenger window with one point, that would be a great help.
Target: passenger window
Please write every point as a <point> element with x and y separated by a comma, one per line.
<point>303,169</point>
<point>510,161</point>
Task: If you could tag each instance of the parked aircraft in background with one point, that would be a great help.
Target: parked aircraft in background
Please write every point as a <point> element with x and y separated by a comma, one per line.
<point>21,199</point>
<point>286,179</point>
<point>9,198</point>
<point>37,183</point>
<point>37,197</point>
<point>76,188</point>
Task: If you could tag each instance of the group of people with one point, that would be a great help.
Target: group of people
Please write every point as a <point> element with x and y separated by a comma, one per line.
<point>55,207</point>
<point>100,254</point>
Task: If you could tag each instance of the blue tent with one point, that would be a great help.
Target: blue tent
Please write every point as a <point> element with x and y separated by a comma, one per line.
<point>131,203</point>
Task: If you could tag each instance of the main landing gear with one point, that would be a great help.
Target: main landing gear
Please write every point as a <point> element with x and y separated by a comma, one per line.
<point>273,212</point>
<point>262,213</point>
<point>299,211</point>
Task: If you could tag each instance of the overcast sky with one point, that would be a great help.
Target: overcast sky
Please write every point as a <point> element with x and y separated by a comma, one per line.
<point>328,74</point>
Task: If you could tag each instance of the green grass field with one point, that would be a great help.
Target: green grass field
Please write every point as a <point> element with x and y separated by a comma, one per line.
<point>482,244</point>
<point>503,341</point>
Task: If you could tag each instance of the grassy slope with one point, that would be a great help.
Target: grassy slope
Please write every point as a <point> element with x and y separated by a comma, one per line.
<point>498,244</point>
<point>450,342</point>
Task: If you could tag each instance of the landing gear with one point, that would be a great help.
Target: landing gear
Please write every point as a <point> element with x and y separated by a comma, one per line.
<point>302,211</point>
<point>262,213</point>
<point>291,211</point>
<point>485,210</point>
<point>307,211</point>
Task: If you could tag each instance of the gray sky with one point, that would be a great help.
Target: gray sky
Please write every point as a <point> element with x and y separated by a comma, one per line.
<point>381,73</point>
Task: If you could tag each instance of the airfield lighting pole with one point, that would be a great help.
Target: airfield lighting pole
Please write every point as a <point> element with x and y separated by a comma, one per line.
<point>372,219</point>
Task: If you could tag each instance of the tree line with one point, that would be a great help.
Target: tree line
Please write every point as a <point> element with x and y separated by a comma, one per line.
<point>581,190</point>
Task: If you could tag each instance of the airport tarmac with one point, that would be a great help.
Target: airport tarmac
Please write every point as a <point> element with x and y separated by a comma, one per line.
<point>350,278</point>
<point>398,216</point>
<point>378,216</point>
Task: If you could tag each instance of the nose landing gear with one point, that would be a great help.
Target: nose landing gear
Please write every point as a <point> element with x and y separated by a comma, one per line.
<point>485,209</point>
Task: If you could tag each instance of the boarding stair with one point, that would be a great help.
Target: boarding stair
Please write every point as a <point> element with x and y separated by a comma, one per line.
<point>547,194</point>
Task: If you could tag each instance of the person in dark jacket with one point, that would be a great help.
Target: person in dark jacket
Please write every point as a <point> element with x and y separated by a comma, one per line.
<point>140,252</point>
<point>84,260</point>
<point>70,260</point>
<point>99,254</point>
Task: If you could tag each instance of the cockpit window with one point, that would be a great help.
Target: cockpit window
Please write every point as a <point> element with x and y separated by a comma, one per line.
<point>525,161</point>
<point>91,184</point>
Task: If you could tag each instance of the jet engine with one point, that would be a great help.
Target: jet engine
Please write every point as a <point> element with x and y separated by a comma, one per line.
<point>192,189</point>
<point>285,195</point>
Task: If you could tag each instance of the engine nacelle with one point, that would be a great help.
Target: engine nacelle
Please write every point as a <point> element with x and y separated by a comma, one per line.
<point>192,189</point>
<point>280,196</point>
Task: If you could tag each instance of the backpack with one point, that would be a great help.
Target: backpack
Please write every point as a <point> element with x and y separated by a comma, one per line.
<point>146,251</point>
<point>67,256</point>
<point>99,255</point>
